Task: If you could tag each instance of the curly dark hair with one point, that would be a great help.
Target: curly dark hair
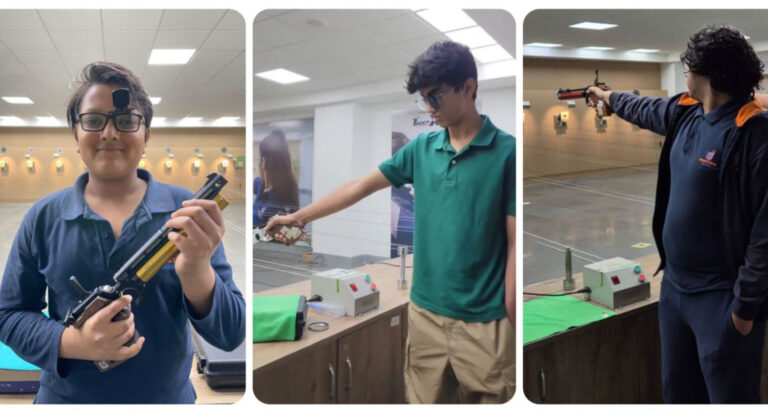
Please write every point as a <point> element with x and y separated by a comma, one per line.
<point>444,62</point>
<point>723,55</point>
<point>109,74</point>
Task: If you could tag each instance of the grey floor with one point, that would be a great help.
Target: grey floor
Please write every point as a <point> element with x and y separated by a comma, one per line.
<point>11,215</point>
<point>599,216</point>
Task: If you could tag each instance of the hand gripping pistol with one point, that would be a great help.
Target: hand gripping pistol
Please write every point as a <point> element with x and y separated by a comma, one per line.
<point>133,276</point>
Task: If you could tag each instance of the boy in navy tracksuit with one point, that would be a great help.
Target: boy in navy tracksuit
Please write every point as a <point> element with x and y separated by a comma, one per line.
<point>710,220</point>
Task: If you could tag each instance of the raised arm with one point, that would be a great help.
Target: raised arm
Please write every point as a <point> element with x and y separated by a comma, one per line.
<point>651,113</point>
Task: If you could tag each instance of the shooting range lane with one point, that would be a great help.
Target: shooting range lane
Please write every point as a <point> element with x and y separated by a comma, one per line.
<point>598,215</point>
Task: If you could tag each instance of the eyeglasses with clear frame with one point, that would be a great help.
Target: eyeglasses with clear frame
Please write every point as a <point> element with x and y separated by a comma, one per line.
<point>96,121</point>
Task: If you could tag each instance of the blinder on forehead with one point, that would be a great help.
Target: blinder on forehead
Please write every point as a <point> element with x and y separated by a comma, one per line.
<point>121,97</point>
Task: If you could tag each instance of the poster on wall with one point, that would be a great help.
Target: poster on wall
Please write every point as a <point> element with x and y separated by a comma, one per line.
<point>282,168</point>
<point>405,127</point>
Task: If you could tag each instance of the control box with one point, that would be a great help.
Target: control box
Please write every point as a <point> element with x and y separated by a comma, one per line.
<point>616,282</point>
<point>353,290</point>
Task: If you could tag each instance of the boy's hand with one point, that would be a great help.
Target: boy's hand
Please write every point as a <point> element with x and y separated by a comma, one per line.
<point>100,338</point>
<point>597,93</point>
<point>277,222</point>
<point>203,226</point>
<point>744,327</point>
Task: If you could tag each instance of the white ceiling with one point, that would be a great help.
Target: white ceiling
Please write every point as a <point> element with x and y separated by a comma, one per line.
<point>353,47</point>
<point>41,51</point>
<point>666,30</point>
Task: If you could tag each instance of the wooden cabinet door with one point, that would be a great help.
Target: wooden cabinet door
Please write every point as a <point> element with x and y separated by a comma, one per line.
<point>307,377</point>
<point>370,362</point>
<point>616,360</point>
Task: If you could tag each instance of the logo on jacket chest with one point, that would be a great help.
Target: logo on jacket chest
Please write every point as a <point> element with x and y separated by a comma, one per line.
<point>708,160</point>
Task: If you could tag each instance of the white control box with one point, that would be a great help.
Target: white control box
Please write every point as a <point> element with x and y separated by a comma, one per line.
<point>353,290</point>
<point>616,282</point>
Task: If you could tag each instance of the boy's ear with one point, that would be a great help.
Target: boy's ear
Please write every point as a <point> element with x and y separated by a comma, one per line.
<point>470,86</point>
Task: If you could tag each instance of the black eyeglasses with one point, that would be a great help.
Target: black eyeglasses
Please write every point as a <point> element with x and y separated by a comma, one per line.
<point>96,122</point>
<point>433,99</point>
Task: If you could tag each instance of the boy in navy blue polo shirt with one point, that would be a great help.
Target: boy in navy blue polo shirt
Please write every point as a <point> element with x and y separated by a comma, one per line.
<point>711,219</point>
<point>89,231</point>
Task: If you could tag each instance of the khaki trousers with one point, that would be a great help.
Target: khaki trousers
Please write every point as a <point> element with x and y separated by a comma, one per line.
<point>452,361</point>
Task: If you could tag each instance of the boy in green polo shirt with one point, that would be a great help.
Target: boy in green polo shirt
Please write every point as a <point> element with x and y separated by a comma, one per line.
<point>461,315</point>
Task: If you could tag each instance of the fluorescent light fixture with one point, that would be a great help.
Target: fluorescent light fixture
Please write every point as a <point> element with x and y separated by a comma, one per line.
<point>490,54</point>
<point>547,45</point>
<point>226,121</point>
<point>11,120</point>
<point>588,25</point>
<point>446,19</point>
<point>47,121</point>
<point>644,50</point>
<point>282,76</point>
<point>155,100</point>
<point>471,37</point>
<point>597,48</point>
<point>18,100</point>
<point>189,121</point>
<point>169,56</point>
<point>499,69</point>
<point>158,120</point>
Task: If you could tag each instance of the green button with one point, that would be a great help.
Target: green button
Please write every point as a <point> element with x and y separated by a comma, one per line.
<point>368,278</point>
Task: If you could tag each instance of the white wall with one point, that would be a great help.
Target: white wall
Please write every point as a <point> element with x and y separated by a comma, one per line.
<point>499,105</point>
<point>350,140</point>
<point>672,78</point>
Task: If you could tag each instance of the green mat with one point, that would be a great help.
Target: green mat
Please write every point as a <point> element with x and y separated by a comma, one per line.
<point>548,315</point>
<point>274,317</point>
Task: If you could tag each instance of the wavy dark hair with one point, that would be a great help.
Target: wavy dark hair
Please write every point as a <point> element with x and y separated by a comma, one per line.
<point>274,154</point>
<point>109,74</point>
<point>444,62</point>
<point>723,55</point>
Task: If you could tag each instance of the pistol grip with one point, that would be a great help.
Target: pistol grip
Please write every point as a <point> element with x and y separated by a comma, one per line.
<point>95,306</point>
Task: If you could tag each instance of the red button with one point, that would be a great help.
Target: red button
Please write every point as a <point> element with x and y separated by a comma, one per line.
<point>641,278</point>
<point>615,280</point>
<point>353,286</point>
<point>373,286</point>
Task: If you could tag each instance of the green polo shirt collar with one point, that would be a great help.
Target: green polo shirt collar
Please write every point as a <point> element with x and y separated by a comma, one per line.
<point>483,138</point>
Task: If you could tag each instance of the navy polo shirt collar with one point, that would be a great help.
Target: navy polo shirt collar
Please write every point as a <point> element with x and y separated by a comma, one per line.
<point>724,110</point>
<point>484,136</point>
<point>157,199</point>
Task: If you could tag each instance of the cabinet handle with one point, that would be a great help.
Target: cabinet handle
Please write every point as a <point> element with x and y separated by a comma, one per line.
<point>543,379</point>
<point>333,383</point>
<point>349,381</point>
